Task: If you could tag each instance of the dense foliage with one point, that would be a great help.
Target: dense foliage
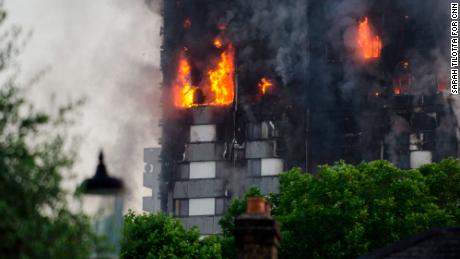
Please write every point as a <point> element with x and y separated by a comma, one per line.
<point>346,210</point>
<point>160,236</point>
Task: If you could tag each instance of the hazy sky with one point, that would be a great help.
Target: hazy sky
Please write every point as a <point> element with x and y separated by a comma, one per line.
<point>108,52</point>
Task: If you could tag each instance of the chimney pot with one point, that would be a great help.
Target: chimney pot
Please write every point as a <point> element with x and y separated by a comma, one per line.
<point>256,232</point>
<point>258,205</point>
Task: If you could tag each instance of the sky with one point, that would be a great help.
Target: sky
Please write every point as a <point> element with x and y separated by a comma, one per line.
<point>107,52</point>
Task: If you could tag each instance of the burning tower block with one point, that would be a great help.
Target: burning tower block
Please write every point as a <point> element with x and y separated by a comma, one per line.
<point>250,91</point>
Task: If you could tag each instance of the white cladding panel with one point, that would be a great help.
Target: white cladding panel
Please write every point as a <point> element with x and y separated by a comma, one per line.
<point>419,158</point>
<point>202,133</point>
<point>200,170</point>
<point>271,166</point>
<point>202,206</point>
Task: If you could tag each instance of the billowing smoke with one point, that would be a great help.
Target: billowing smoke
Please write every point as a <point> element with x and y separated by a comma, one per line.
<point>415,48</point>
<point>399,132</point>
<point>310,49</point>
<point>281,25</point>
<point>108,53</point>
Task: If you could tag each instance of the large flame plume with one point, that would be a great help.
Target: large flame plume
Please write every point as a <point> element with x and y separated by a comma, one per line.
<point>221,78</point>
<point>183,90</point>
<point>369,43</point>
<point>217,88</point>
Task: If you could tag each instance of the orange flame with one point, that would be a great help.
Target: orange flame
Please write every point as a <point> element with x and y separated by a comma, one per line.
<point>217,43</point>
<point>264,84</point>
<point>183,90</point>
<point>219,87</point>
<point>221,78</point>
<point>369,44</point>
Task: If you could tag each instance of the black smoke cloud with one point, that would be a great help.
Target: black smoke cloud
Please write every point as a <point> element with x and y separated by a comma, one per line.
<point>310,48</point>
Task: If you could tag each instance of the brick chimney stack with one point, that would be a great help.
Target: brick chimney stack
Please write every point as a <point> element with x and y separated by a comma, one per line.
<point>256,232</point>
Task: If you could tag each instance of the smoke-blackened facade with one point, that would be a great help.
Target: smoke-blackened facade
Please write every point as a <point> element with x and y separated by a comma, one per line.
<point>252,88</point>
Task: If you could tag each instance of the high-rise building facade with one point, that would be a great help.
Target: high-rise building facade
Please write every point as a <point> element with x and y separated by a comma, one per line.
<point>253,88</point>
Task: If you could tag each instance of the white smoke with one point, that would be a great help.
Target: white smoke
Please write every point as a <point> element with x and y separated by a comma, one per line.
<point>108,52</point>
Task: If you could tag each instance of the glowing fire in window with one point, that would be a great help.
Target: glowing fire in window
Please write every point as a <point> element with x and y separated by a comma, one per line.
<point>221,78</point>
<point>264,85</point>
<point>217,88</point>
<point>183,90</point>
<point>369,43</point>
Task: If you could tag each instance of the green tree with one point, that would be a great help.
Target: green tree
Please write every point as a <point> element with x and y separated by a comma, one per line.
<point>35,219</point>
<point>443,179</point>
<point>345,210</point>
<point>160,236</point>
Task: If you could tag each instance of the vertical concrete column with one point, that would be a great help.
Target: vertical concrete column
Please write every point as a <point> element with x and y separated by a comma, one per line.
<point>256,232</point>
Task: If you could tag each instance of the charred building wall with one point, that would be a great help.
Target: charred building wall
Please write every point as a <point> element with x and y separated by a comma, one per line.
<point>252,88</point>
